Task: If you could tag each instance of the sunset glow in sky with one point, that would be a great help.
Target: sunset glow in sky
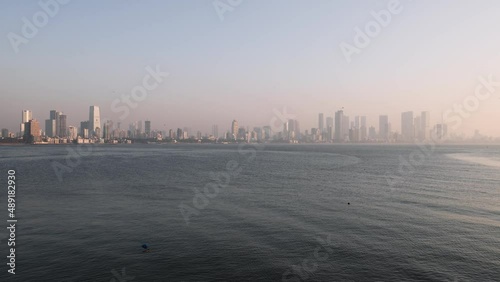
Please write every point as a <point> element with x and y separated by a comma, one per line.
<point>260,56</point>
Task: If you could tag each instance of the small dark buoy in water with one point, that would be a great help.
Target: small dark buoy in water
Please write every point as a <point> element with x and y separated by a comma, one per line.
<point>348,204</point>
<point>146,248</point>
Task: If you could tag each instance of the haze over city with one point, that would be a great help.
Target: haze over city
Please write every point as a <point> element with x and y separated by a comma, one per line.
<point>252,60</point>
<point>250,140</point>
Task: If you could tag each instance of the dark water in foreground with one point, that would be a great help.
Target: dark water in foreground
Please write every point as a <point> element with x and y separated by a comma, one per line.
<point>283,215</point>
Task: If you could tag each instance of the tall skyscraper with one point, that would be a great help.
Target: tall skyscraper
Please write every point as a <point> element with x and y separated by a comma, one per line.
<point>292,130</point>
<point>94,121</point>
<point>345,127</point>
<point>425,123</point>
<point>215,131</point>
<point>139,128</point>
<point>329,128</point>
<point>383,127</point>
<point>53,114</point>
<point>84,129</point>
<point>407,129</point>
<point>63,128</point>
<point>57,119</point>
<point>329,122</point>
<point>147,128</point>
<point>32,131</point>
<point>73,133</point>
<point>441,131</point>
<point>321,122</point>
<point>50,127</point>
<point>27,115</point>
<point>268,132</point>
<point>234,129</point>
<point>339,126</point>
<point>363,130</point>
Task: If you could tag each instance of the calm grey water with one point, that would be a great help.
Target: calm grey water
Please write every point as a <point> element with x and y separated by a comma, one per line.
<point>283,215</point>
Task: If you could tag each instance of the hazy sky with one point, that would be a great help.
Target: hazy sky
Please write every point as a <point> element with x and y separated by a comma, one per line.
<point>263,55</point>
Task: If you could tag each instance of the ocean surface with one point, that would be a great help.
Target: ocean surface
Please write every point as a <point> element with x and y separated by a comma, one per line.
<point>254,213</point>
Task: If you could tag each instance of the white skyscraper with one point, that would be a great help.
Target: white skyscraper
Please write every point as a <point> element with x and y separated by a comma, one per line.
<point>94,121</point>
<point>339,126</point>
<point>321,120</point>
<point>407,130</point>
<point>425,123</point>
<point>384,127</point>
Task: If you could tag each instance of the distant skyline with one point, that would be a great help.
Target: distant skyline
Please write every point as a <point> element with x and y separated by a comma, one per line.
<point>263,55</point>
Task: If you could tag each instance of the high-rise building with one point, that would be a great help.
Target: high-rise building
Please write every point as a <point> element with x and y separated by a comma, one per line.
<point>329,122</point>
<point>441,131</point>
<point>291,130</point>
<point>345,127</point>
<point>329,129</point>
<point>5,133</point>
<point>425,125</point>
<point>267,132</point>
<point>339,126</point>
<point>234,129</point>
<point>215,131</point>
<point>321,122</point>
<point>363,129</point>
<point>94,121</point>
<point>63,129</point>
<point>147,128</point>
<point>329,133</point>
<point>53,114</point>
<point>407,129</point>
<point>383,127</point>
<point>50,127</point>
<point>27,115</point>
<point>32,131</point>
<point>57,115</point>
<point>73,133</point>
<point>139,128</point>
<point>84,129</point>
<point>106,131</point>
<point>241,133</point>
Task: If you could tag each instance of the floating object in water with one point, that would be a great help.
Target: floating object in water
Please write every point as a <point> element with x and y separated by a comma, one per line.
<point>146,248</point>
<point>348,204</point>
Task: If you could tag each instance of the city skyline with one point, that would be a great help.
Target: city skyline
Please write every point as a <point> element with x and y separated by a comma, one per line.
<point>415,127</point>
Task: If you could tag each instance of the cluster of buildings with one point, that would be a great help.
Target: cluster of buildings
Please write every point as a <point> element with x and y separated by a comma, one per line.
<point>338,128</point>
